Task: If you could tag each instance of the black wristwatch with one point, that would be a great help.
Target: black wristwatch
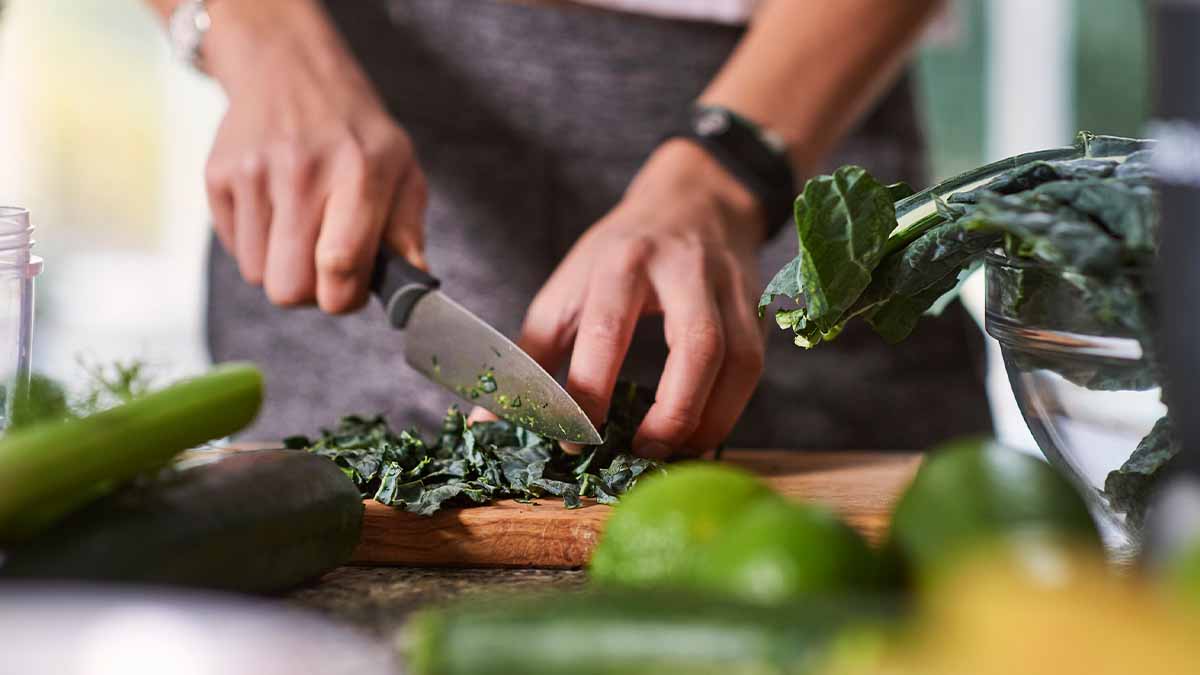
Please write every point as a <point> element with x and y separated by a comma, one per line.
<point>755,156</point>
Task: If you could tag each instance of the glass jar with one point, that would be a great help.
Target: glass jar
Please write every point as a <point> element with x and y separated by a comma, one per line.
<point>18,269</point>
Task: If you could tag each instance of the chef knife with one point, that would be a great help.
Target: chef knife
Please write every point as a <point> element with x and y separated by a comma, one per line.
<point>456,349</point>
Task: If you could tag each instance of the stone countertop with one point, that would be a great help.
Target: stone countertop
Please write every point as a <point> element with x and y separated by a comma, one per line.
<point>378,600</point>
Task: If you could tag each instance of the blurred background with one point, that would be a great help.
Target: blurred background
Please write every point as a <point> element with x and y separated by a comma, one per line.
<point>104,139</point>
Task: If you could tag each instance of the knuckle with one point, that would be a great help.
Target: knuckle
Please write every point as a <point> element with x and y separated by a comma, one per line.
<point>355,158</point>
<point>396,145</point>
<point>675,424</point>
<point>365,169</point>
<point>705,340</point>
<point>605,329</point>
<point>287,294</point>
<point>632,253</point>
<point>296,164</point>
<point>216,174</point>
<point>338,261</point>
<point>252,167</point>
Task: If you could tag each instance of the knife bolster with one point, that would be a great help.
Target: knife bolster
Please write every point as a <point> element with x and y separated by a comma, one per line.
<point>399,306</point>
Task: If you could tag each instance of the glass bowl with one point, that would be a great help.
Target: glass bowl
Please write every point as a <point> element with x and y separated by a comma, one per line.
<point>1085,385</point>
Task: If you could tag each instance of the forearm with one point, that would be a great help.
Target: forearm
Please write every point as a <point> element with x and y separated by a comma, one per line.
<point>810,69</point>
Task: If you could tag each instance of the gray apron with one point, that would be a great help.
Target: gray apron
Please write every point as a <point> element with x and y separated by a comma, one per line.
<point>530,121</point>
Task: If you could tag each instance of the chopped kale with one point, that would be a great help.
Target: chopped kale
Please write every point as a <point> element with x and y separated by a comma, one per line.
<point>479,463</point>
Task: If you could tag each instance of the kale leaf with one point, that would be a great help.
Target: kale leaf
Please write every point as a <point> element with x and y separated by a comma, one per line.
<point>843,221</point>
<point>476,464</point>
<point>1078,209</point>
<point>1078,228</point>
<point>1129,487</point>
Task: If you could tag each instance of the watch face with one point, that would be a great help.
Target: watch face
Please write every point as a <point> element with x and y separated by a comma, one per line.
<point>187,27</point>
<point>712,122</point>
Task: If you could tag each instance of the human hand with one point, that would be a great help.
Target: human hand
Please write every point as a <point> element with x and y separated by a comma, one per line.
<point>308,173</point>
<point>682,243</point>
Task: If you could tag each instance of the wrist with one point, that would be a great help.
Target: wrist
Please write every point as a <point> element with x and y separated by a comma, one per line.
<point>701,176</point>
<point>245,34</point>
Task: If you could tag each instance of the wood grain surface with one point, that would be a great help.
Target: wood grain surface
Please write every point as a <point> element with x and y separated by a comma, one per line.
<point>861,486</point>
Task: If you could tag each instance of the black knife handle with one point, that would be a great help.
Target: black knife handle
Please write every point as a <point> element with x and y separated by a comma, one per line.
<point>399,285</point>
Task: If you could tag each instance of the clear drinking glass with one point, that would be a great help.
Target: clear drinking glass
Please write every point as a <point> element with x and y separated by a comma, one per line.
<point>18,268</point>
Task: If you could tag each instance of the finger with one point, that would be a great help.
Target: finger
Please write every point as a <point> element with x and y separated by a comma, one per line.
<point>349,238</point>
<point>290,275</point>
<point>550,324</point>
<point>616,293</point>
<point>220,205</point>
<point>252,218</point>
<point>405,231</point>
<point>741,370</point>
<point>552,320</point>
<point>480,415</point>
<point>696,342</point>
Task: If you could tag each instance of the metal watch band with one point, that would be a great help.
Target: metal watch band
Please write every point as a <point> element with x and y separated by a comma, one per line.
<point>755,156</point>
<point>187,26</point>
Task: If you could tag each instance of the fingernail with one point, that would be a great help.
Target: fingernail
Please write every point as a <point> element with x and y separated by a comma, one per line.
<point>570,448</point>
<point>480,415</point>
<point>654,450</point>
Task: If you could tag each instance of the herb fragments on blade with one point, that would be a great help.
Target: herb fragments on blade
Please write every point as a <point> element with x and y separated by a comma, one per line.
<point>483,462</point>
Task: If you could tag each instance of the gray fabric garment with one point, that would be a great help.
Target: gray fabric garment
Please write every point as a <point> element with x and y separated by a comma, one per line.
<point>530,121</point>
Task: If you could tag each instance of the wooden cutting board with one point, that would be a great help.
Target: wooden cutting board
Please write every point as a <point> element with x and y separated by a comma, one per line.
<point>861,486</point>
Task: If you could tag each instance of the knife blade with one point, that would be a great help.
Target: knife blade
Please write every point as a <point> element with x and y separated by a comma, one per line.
<point>454,348</point>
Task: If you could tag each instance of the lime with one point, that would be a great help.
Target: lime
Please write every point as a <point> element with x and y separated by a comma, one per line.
<point>658,529</point>
<point>968,494</point>
<point>777,551</point>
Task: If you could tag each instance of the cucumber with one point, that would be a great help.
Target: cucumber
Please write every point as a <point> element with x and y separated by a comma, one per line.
<point>259,521</point>
<point>638,632</point>
<point>49,470</point>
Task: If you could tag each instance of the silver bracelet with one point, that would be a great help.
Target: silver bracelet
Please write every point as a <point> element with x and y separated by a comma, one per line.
<point>186,27</point>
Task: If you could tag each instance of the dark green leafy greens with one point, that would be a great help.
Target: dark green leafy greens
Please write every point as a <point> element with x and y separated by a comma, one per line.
<point>1128,488</point>
<point>483,462</point>
<point>1077,227</point>
<point>863,255</point>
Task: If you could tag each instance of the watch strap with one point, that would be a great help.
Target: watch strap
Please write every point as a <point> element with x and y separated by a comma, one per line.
<point>755,156</point>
